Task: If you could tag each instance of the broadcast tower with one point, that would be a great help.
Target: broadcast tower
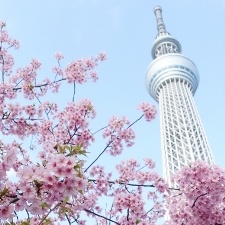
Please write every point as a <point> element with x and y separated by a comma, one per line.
<point>172,80</point>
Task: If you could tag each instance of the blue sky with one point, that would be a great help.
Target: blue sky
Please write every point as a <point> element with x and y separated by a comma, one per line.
<point>125,30</point>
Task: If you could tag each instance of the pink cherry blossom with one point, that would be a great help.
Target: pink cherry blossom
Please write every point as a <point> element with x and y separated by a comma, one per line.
<point>55,180</point>
<point>119,133</point>
<point>58,56</point>
<point>200,198</point>
<point>148,110</point>
<point>80,70</point>
<point>6,211</point>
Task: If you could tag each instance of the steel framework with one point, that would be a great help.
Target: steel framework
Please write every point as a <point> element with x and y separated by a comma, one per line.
<point>172,80</point>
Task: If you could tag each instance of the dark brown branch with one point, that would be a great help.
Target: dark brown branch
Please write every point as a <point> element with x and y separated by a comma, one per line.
<point>96,214</point>
<point>108,145</point>
<point>74,91</point>
<point>99,130</point>
<point>197,199</point>
<point>128,214</point>
<point>41,85</point>
<point>122,183</point>
<point>44,217</point>
<point>135,121</point>
<point>68,219</point>
<point>98,156</point>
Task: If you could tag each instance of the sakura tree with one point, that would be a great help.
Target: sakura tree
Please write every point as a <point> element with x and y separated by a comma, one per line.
<point>46,146</point>
<point>59,185</point>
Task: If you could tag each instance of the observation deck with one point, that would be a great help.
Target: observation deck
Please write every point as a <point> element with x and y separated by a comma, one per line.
<point>171,67</point>
<point>168,62</point>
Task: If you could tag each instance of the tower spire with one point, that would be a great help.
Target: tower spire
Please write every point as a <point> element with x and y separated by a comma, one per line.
<point>160,24</point>
<point>164,42</point>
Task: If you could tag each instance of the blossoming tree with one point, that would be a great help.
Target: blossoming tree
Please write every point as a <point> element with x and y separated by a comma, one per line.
<point>59,185</point>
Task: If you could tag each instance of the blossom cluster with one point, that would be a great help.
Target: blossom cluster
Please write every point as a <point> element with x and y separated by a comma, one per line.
<point>6,59</point>
<point>118,132</point>
<point>73,124</point>
<point>77,71</point>
<point>25,79</point>
<point>129,197</point>
<point>40,186</point>
<point>148,110</point>
<point>200,198</point>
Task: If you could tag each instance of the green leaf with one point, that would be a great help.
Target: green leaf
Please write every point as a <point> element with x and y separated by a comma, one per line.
<point>66,199</point>
<point>4,192</point>
<point>80,191</point>
<point>30,86</point>
<point>47,222</point>
<point>63,210</point>
<point>138,221</point>
<point>61,149</point>
<point>25,223</point>
<point>83,152</point>
<point>44,205</point>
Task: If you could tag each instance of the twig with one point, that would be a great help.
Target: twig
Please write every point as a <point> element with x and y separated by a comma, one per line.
<point>40,85</point>
<point>96,214</point>
<point>74,90</point>
<point>99,130</point>
<point>110,144</point>
<point>197,199</point>
<point>135,121</point>
<point>98,156</point>
<point>43,219</point>
<point>68,219</point>
<point>122,183</point>
<point>128,214</point>
<point>28,215</point>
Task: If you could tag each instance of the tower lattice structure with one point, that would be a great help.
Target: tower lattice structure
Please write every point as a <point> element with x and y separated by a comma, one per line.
<point>172,80</point>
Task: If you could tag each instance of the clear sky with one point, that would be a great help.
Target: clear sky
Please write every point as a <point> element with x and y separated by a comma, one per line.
<point>125,30</point>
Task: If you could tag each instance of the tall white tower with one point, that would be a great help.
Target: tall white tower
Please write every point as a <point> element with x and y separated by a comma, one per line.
<point>172,80</point>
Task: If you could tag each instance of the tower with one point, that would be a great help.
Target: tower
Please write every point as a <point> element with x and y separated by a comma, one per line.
<point>172,80</point>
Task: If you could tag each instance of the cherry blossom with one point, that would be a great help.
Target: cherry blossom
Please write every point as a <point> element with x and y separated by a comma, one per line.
<point>148,110</point>
<point>47,148</point>
<point>58,56</point>
<point>119,133</point>
<point>200,197</point>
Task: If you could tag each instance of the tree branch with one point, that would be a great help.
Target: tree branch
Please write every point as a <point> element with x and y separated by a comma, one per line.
<point>197,199</point>
<point>110,143</point>
<point>74,91</point>
<point>122,183</point>
<point>99,130</point>
<point>135,121</point>
<point>98,156</point>
<point>43,219</point>
<point>96,214</point>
